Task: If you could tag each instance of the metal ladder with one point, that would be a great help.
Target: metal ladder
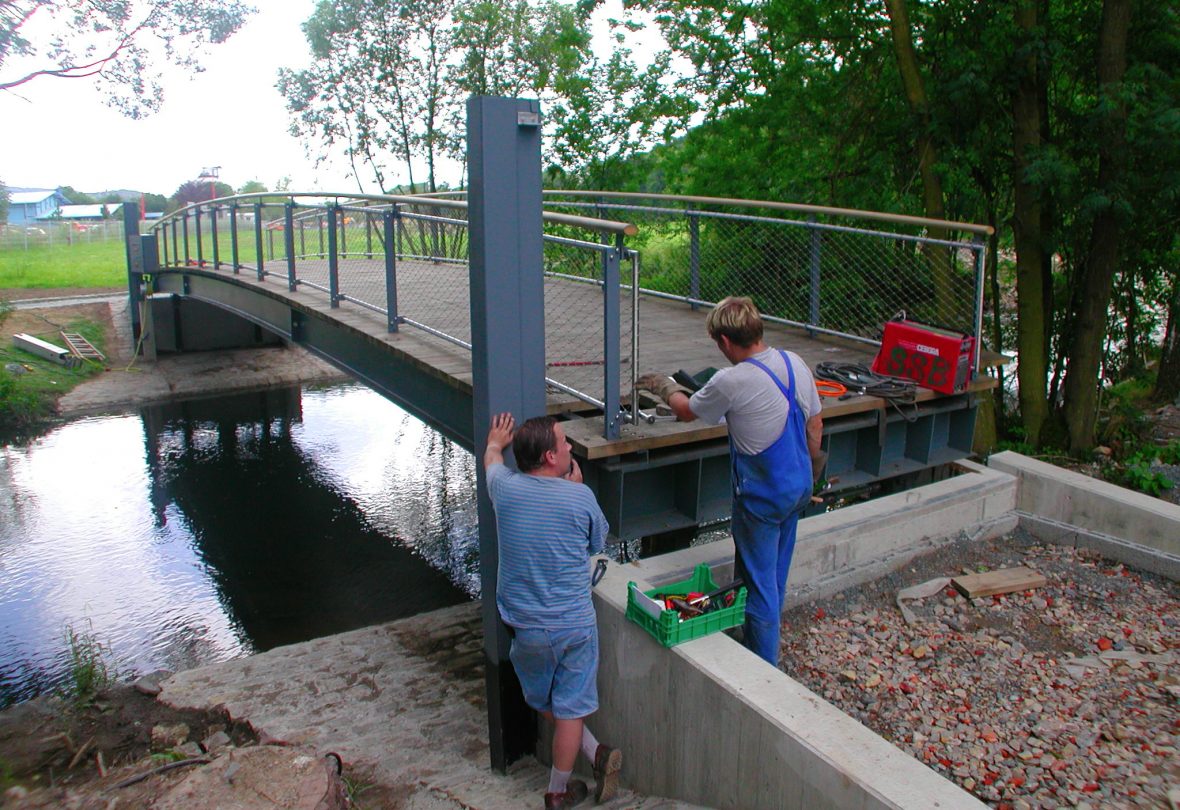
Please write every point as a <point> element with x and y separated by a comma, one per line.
<point>81,347</point>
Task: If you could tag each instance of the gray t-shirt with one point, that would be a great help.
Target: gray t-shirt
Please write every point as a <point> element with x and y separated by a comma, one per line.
<point>748,401</point>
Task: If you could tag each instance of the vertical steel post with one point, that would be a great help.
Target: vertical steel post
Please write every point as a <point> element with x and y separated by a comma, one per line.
<point>175,243</point>
<point>200,247</point>
<point>164,238</point>
<point>302,239</point>
<point>184,226</point>
<point>388,224</point>
<point>694,258</point>
<point>233,237</point>
<point>319,221</point>
<point>333,258</point>
<point>980,250</point>
<point>610,339</point>
<point>134,251</point>
<point>815,247</point>
<point>343,238</point>
<point>368,235</point>
<point>289,242</point>
<point>508,354</point>
<point>258,260</point>
<point>213,236</point>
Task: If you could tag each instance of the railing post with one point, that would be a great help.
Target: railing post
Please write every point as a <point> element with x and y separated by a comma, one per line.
<point>233,237</point>
<point>187,253</point>
<point>213,236</point>
<point>388,223</point>
<point>508,354</point>
<point>333,258</point>
<point>343,238</point>
<point>302,238</point>
<point>163,238</point>
<point>980,250</point>
<point>289,240</point>
<point>694,258</point>
<point>368,235</point>
<point>610,339</point>
<point>258,259</point>
<point>200,247</point>
<point>319,222</point>
<point>814,253</point>
<point>175,243</point>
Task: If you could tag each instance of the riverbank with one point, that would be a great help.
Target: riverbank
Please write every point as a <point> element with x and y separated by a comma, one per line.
<point>130,381</point>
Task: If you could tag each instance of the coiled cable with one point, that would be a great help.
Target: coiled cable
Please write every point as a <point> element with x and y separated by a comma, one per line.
<point>861,379</point>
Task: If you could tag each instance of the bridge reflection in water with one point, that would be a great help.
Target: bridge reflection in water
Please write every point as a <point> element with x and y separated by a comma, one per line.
<point>290,550</point>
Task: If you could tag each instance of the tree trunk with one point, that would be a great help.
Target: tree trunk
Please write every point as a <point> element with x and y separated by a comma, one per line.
<point>932,197</point>
<point>1027,232</point>
<point>1167,381</point>
<point>1081,378</point>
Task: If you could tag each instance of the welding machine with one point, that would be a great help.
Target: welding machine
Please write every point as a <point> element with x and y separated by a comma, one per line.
<point>933,357</point>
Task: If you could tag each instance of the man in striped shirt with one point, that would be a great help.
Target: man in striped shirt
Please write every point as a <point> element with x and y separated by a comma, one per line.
<point>549,524</point>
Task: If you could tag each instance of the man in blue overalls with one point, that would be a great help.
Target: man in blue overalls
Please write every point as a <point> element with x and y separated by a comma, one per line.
<point>769,402</point>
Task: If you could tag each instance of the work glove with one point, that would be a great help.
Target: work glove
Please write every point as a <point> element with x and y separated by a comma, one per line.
<point>660,385</point>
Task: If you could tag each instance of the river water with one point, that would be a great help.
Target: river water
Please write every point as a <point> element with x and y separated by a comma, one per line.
<point>205,530</point>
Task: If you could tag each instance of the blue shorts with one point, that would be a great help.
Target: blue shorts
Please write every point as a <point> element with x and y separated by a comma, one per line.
<point>558,669</point>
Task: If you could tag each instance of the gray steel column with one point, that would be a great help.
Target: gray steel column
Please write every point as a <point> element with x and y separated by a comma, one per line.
<point>134,251</point>
<point>508,351</point>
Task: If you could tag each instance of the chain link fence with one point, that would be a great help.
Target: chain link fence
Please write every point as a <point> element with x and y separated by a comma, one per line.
<point>53,233</point>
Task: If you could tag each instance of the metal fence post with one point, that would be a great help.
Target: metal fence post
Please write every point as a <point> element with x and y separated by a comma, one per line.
<point>289,242</point>
<point>387,221</point>
<point>333,258</point>
<point>197,226</point>
<point>213,236</point>
<point>980,250</point>
<point>694,258</point>
<point>258,259</point>
<point>233,237</point>
<point>813,309</point>
<point>319,223</point>
<point>610,339</point>
<point>508,352</point>
<point>184,226</point>
<point>302,238</point>
<point>175,243</point>
<point>368,235</point>
<point>342,239</point>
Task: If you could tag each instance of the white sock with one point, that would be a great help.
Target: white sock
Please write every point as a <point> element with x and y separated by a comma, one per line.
<point>589,744</point>
<point>558,781</point>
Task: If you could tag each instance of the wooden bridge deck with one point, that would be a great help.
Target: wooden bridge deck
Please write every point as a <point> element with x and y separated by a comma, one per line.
<point>672,337</point>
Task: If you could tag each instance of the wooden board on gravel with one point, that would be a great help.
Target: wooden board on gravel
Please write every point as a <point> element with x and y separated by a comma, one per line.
<point>1006,580</point>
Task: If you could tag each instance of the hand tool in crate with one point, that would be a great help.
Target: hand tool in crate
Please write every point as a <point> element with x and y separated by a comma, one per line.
<point>719,608</point>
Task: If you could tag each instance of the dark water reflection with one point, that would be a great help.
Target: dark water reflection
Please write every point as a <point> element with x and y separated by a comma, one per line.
<point>210,529</point>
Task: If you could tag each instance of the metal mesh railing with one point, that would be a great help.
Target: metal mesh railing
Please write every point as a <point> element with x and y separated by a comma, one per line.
<point>841,272</point>
<point>407,259</point>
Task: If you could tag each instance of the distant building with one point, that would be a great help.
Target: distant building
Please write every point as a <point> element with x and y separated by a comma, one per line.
<point>27,206</point>
<point>83,212</point>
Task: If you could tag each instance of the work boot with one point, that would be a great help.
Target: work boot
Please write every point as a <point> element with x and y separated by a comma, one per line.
<point>607,763</point>
<point>575,792</point>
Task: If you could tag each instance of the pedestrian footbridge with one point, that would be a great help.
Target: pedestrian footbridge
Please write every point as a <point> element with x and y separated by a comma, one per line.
<point>380,287</point>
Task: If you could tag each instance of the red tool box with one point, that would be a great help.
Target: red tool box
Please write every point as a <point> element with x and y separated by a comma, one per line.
<point>933,357</point>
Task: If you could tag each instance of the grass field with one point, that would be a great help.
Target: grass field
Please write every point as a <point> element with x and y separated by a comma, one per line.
<point>97,264</point>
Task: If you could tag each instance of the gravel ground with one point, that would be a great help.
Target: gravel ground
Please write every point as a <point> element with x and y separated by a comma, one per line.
<point>1066,695</point>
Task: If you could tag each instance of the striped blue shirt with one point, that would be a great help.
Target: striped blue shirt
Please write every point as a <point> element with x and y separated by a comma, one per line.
<point>548,528</point>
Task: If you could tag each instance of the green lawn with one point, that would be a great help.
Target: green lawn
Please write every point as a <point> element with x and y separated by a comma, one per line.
<point>96,264</point>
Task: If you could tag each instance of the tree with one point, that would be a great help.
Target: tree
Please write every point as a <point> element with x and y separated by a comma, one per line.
<point>155,203</point>
<point>3,203</point>
<point>195,191</point>
<point>115,42</point>
<point>253,187</point>
<point>77,197</point>
<point>389,78</point>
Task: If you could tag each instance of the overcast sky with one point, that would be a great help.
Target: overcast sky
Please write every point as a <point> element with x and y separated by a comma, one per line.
<point>58,132</point>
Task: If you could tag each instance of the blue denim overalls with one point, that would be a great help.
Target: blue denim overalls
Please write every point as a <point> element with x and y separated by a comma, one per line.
<point>770,490</point>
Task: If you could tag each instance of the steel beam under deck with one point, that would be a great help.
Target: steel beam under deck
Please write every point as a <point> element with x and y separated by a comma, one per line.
<point>431,399</point>
<point>641,493</point>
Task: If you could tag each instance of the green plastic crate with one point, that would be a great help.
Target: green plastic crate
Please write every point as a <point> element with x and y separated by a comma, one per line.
<point>668,629</point>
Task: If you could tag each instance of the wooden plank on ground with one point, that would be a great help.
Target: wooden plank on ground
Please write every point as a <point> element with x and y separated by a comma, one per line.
<point>1005,580</point>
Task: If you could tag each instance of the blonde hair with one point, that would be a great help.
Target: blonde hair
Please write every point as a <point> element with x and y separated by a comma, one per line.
<point>737,318</point>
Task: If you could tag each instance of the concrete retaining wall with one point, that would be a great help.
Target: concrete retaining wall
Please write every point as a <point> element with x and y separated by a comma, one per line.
<point>710,723</point>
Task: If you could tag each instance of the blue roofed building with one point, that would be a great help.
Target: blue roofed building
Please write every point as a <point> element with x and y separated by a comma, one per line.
<point>27,206</point>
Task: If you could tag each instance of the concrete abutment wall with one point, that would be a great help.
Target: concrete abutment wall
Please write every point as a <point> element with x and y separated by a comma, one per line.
<point>709,723</point>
